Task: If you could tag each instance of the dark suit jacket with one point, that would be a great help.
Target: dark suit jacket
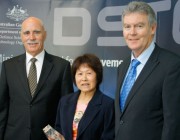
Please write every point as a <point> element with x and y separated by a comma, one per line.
<point>97,122</point>
<point>152,107</point>
<point>21,116</point>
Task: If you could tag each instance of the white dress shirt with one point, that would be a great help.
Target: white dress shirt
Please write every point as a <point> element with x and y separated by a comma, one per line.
<point>38,63</point>
<point>143,58</point>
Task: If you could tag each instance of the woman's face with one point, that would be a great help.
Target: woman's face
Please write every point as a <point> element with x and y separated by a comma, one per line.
<point>85,78</point>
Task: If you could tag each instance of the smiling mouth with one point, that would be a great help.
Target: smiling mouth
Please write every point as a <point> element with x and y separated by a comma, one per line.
<point>85,84</point>
<point>32,43</point>
<point>133,39</point>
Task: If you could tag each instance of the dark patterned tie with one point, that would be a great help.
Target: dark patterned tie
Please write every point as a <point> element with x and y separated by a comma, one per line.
<point>32,77</point>
<point>128,83</point>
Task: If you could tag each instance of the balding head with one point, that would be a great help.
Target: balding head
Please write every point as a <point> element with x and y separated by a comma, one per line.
<point>33,20</point>
<point>33,35</point>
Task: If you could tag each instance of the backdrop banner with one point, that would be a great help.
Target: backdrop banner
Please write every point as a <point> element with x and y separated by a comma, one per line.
<point>75,27</point>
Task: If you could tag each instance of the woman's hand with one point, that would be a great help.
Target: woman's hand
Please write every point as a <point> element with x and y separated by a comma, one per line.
<point>57,136</point>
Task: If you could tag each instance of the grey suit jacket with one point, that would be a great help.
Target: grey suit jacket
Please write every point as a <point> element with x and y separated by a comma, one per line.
<point>152,107</point>
<point>21,116</point>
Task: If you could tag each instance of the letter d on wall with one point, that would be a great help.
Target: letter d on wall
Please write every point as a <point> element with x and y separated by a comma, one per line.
<point>72,26</point>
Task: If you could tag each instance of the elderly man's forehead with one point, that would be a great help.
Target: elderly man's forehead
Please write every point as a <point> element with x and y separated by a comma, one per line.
<point>33,21</point>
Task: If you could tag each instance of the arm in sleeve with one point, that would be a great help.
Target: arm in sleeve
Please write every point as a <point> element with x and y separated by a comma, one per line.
<point>4,102</point>
<point>58,119</point>
<point>67,84</point>
<point>109,123</point>
<point>171,104</point>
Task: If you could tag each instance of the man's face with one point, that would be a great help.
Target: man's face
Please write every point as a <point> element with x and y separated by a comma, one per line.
<point>33,36</point>
<point>137,32</point>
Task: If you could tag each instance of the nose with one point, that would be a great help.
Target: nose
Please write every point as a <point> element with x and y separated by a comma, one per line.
<point>84,78</point>
<point>133,31</point>
<point>32,36</point>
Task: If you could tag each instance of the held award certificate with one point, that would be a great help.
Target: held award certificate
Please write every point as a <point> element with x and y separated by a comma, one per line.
<point>51,133</point>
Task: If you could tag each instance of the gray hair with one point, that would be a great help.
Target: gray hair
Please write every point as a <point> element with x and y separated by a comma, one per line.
<point>140,7</point>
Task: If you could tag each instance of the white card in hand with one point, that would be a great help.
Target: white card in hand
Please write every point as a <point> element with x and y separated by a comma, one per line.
<point>51,133</point>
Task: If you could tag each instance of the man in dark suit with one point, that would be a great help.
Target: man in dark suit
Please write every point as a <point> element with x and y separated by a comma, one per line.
<point>23,115</point>
<point>150,110</point>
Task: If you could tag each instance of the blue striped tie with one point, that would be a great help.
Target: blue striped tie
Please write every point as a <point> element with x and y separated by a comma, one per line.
<point>128,83</point>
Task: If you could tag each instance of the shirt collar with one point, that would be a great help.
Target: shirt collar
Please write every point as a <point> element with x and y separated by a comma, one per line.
<point>39,57</point>
<point>145,55</point>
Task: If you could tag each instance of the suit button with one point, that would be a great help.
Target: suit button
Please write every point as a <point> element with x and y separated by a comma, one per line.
<point>29,128</point>
<point>121,122</point>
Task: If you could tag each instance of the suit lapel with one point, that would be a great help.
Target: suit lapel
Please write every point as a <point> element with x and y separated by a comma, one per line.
<point>146,71</point>
<point>90,113</point>
<point>121,75</point>
<point>70,108</point>
<point>46,69</point>
<point>21,70</point>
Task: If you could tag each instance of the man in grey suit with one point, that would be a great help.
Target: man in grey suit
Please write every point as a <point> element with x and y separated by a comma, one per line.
<point>151,108</point>
<point>23,115</point>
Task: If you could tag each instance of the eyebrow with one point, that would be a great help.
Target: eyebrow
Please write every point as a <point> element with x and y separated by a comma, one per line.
<point>37,31</point>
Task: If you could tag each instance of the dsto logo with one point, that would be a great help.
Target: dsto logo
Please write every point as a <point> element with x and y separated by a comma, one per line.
<point>73,26</point>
